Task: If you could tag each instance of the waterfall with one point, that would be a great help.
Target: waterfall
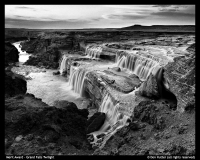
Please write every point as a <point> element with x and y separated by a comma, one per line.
<point>93,51</point>
<point>63,64</point>
<point>76,79</point>
<point>23,56</point>
<point>140,65</point>
<point>113,122</point>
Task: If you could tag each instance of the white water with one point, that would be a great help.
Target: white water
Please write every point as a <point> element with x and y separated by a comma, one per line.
<point>76,79</point>
<point>139,65</point>
<point>93,51</point>
<point>23,56</point>
<point>52,88</point>
<point>63,64</point>
<point>115,119</point>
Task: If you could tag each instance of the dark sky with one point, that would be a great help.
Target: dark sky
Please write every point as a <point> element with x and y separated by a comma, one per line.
<point>96,16</point>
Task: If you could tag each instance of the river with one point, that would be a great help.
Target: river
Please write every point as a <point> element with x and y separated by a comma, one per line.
<point>43,84</point>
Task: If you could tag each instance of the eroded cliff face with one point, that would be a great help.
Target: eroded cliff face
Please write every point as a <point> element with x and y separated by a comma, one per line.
<point>180,76</point>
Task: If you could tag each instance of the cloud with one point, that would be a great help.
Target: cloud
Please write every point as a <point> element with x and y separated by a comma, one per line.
<point>171,8</point>
<point>23,7</point>
<point>173,14</point>
<point>23,17</point>
<point>96,19</point>
<point>32,18</point>
<point>73,23</point>
<point>162,5</point>
<point>124,16</point>
<point>79,16</point>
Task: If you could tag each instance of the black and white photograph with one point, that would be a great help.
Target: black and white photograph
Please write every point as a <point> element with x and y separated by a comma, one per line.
<point>106,79</point>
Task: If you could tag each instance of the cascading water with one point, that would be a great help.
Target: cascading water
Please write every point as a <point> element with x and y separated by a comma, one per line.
<point>113,122</point>
<point>139,65</point>
<point>76,79</point>
<point>93,51</point>
<point>63,64</point>
<point>23,56</point>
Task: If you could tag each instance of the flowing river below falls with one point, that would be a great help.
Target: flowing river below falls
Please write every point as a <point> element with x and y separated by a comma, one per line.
<point>50,87</point>
<point>45,85</point>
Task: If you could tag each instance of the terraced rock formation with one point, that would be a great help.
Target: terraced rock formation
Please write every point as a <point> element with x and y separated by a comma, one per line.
<point>141,88</point>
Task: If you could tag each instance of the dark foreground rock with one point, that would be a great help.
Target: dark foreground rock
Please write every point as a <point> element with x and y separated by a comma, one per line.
<point>11,54</point>
<point>34,128</point>
<point>56,73</point>
<point>95,122</point>
<point>14,84</point>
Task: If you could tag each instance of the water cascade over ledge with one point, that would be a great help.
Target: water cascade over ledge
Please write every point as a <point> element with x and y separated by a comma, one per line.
<point>115,119</point>
<point>139,65</point>
<point>63,64</point>
<point>76,79</point>
<point>93,51</point>
<point>117,112</point>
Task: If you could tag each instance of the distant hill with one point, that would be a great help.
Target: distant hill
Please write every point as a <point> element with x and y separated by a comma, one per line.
<point>136,27</point>
<point>169,28</point>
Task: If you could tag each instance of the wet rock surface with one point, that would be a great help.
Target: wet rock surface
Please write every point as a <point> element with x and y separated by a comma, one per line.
<point>121,83</point>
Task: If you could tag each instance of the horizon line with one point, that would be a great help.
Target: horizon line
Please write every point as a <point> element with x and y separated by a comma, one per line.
<point>136,25</point>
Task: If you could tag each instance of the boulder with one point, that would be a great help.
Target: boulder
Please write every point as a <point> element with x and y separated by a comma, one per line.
<point>149,88</point>
<point>95,122</point>
<point>14,84</point>
<point>64,73</point>
<point>64,104</point>
<point>117,69</point>
<point>70,106</point>
<point>56,73</point>
<point>11,54</point>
